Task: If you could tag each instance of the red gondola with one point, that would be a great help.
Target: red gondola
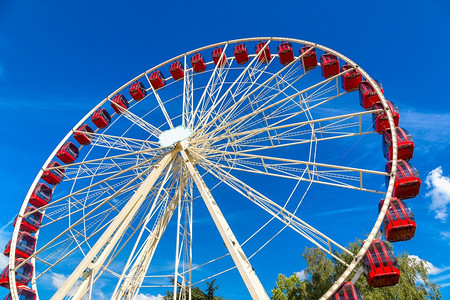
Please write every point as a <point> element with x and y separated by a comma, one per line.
<point>380,120</point>
<point>137,91</point>
<point>285,53</point>
<point>347,292</point>
<point>198,64</point>
<point>220,60</point>
<point>241,54</point>
<point>25,246</point>
<point>176,70</point>
<point>41,195</point>
<point>53,176</point>
<point>68,153</point>
<point>367,95</point>
<point>24,293</point>
<point>157,80</point>
<point>31,222</point>
<point>351,79</point>
<point>119,103</point>
<point>381,265</point>
<point>82,134</point>
<point>264,57</point>
<point>101,118</point>
<point>405,144</point>
<point>407,180</point>
<point>23,274</point>
<point>399,223</point>
<point>330,65</point>
<point>309,58</point>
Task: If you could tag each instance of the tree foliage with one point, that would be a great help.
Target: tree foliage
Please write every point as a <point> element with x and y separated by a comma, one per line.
<point>321,272</point>
<point>197,293</point>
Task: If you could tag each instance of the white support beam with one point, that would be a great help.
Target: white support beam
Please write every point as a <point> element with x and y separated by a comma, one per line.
<point>244,267</point>
<point>135,276</point>
<point>106,243</point>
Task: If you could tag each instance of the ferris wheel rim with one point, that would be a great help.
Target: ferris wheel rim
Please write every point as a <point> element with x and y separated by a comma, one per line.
<point>382,213</point>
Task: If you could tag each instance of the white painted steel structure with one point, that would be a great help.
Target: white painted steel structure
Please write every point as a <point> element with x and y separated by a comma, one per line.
<point>252,124</point>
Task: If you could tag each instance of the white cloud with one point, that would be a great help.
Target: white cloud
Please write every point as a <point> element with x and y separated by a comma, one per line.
<point>439,192</point>
<point>3,262</point>
<point>148,297</point>
<point>99,295</point>
<point>301,274</point>
<point>58,279</point>
<point>5,237</point>
<point>445,235</point>
<point>423,125</point>
<point>432,269</point>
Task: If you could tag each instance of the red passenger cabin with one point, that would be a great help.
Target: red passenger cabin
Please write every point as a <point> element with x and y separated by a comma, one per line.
<point>23,274</point>
<point>380,121</point>
<point>157,80</point>
<point>83,134</point>
<point>407,180</point>
<point>119,103</point>
<point>101,118</point>
<point>367,95</point>
<point>220,60</point>
<point>25,246</point>
<point>241,54</point>
<point>398,223</point>
<point>351,79</point>
<point>309,58</point>
<point>285,53</point>
<point>137,91</point>
<point>198,64</point>
<point>24,293</point>
<point>381,265</point>
<point>330,65</point>
<point>41,195</point>
<point>405,144</point>
<point>53,176</point>
<point>176,70</point>
<point>68,153</point>
<point>263,57</point>
<point>347,292</point>
<point>31,222</point>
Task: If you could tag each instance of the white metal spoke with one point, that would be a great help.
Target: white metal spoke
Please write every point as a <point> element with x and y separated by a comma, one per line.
<point>122,143</point>
<point>136,273</point>
<point>277,211</point>
<point>332,175</point>
<point>250,133</point>
<point>249,70</point>
<point>267,105</point>
<point>113,233</point>
<point>53,202</point>
<point>287,139</point>
<point>89,215</point>
<point>246,271</point>
<point>188,95</point>
<point>216,79</point>
<point>152,130</point>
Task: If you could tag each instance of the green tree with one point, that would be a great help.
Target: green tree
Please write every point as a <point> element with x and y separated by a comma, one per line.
<point>289,288</point>
<point>211,288</point>
<point>321,272</point>
<point>197,293</point>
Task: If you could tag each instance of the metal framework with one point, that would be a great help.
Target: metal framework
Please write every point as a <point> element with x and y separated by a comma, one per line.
<point>252,125</point>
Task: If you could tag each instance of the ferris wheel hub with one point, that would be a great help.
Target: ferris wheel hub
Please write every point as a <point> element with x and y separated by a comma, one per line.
<point>174,135</point>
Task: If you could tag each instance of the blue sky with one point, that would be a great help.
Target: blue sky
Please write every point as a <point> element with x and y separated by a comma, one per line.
<point>59,59</point>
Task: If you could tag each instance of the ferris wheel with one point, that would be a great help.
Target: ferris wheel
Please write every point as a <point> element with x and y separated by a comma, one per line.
<point>204,165</point>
